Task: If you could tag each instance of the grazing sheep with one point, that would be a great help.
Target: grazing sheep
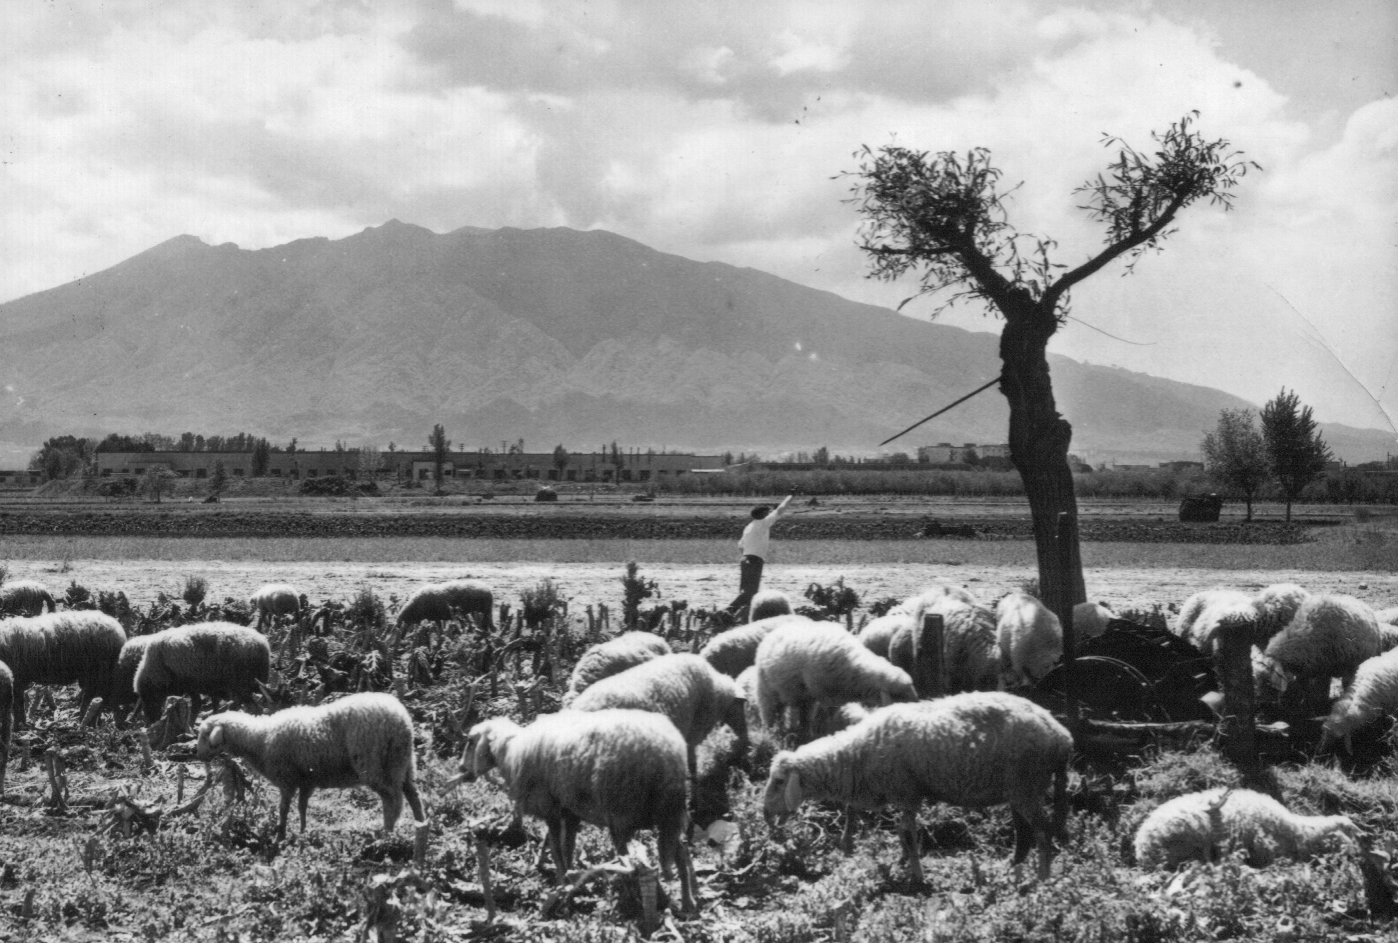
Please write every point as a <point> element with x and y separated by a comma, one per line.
<point>1329,637</point>
<point>7,694</point>
<point>1203,613</point>
<point>623,770</point>
<point>822,666</point>
<point>1201,825</point>
<point>360,740</point>
<point>613,657</point>
<point>968,640</point>
<point>1276,606</point>
<point>1090,619</point>
<point>62,648</point>
<point>931,594</point>
<point>219,659</point>
<point>438,602</point>
<point>25,598</point>
<point>124,682</point>
<point>734,651</point>
<point>1372,694</point>
<point>768,603</point>
<point>1388,635</point>
<point>1031,639</point>
<point>1387,616</point>
<point>978,749</point>
<point>272,600</point>
<point>685,688</point>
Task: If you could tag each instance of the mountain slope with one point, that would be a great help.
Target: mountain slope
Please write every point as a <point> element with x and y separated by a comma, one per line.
<point>553,335</point>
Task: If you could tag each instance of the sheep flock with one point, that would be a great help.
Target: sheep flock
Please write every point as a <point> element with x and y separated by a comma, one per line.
<point>726,743</point>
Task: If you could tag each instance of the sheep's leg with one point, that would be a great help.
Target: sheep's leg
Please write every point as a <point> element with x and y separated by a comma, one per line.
<point>692,756</point>
<point>392,807</point>
<point>1024,836</point>
<point>908,826</point>
<point>851,826</point>
<point>571,824</point>
<point>20,690</point>
<point>672,849</point>
<point>284,812</point>
<point>302,802</point>
<point>556,839</point>
<point>414,803</point>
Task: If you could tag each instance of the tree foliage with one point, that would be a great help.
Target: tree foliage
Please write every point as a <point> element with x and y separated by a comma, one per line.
<point>1235,455</point>
<point>440,445</point>
<point>1297,453</point>
<point>63,457</point>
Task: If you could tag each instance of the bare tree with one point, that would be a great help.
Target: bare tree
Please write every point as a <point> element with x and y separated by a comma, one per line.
<point>440,445</point>
<point>943,217</point>
<point>1235,455</point>
<point>1297,452</point>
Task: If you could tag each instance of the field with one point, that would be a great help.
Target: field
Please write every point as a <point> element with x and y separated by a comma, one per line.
<point>216,873</point>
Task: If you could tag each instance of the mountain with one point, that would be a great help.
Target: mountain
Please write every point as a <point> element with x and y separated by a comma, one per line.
<point>553,335</point>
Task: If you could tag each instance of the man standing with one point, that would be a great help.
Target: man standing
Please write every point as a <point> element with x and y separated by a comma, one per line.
<point>754,545</point>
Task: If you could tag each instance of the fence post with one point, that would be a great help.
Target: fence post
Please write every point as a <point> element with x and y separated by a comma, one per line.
<point>929,663</point>
<point>1238,728</point>
<point>1067,537</point>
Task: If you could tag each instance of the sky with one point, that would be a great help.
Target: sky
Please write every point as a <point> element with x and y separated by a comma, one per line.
<point>725,131</point>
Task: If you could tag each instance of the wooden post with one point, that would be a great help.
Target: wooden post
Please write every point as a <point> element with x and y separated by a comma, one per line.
<point>929,663</point>
<point>1238,730</point>
<point>1067,547</point>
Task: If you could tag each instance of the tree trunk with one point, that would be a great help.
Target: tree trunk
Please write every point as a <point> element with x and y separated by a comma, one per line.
<point>1039,440</point>
<point>1248,498</point>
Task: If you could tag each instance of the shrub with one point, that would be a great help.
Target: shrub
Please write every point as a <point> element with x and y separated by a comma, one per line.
<point>546,494</point>
<point>196,588</point>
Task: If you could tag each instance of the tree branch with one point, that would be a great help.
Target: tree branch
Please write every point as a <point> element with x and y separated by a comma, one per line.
<point>1112,252</point>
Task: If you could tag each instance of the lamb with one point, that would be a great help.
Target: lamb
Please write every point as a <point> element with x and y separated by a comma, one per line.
<point>976,749</point>
<point>734,651</point>
<point>1372,694</point>
<point>1329,637</point>
<point>1199,825</point>
<point>272,600</point>
<point>438,602</point>
<point>1090,619</point>
<point>219,659</point>
<point>808,667</point>
<point>359,740</point>
<point>768,603</point>
<point>25,598</point>
<point>968,640</point>
<point>1203,613</point>
<point>612,657</point>
<point>685,688</point>
<point>7,689</point>
<point>623,770</point>
<point>1031,639</point>
<point>62,648</point>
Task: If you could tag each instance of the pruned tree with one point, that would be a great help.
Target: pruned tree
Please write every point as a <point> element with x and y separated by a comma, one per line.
<point>943,217</point>
<point>560,459</point>
<point>219,480</point>
<point>1235,455</point>
<point>1297,453</point>
<point>440,445</point>
<point>261,457</point>
<point>156,481</point>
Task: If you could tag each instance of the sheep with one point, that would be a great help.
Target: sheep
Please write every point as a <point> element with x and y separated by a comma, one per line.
<point>1198,825</point>
<point>1388,635</point>
<point>1203,613</point>
<point>734,651</point>
<point>1030,636</point>
<point>219,659</point>
<point>25,598</point>
<point>1329,636</point>
<point>1276,606</point>
<point>807,667</point>
<point>1090,619</point>
<point>824,724</point>
<point>7,693</point>
<point>124,681</point>
<point>768,603</point>
<point>62,648</point>
<point>438,602</point>
<point>1387,616</point>
<point>612,657</point>
<point>1372,694</point>
<point>360,740</point>
<point>272,600</point>
<point>621,769</point>
<point>976,749</point>
<point>968,640</point>
<point>683,687</point>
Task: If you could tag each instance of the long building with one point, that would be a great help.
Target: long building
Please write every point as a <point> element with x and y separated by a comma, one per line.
<point>629,466</point>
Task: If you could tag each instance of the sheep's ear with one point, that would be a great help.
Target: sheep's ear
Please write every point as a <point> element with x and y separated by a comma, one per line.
<point>216,737</point>
<point>792,795</point>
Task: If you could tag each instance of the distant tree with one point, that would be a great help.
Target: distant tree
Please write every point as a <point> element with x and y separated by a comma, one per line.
<point>617,458</point>
<point>367,460</point>
<point>971,457</point>
<point>63,457</point>
<point>560,459</point>
<point>186,442</point>
<point>899,458</point>
<point>200,444</point>
<point>123,443</point>
<point>1235,455</point>
<point>439,444</point>
<point>727,458</point>
<point>291,446</point>
<point>156,481</point>
<point>821,456</point>
<point>261,457</point>
<point>944,218</point>
<point>219,480</point>
<point>1294,447</point>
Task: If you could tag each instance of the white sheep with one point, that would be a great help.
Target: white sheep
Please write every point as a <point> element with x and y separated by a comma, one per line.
<point>219,659</point>
<point>359,740</point>
<point>969,643</point>
<point>1387,616</point>
<point>7,694</point>
<point>976,749</point>
<point>612,657</point>
<point>25,598</point>
<point>623,770</point>
<point>1388,635</point>
<point>1199,826</point>
<point>1205,612</point>
<point>1030,637</point>
<point>124,682</point>
<point>1276,606</point>
<point>1329,637</point>
<point>1090,619</point>
<point>734,651</point>
<point>272,600</point>
<point>1372,694</point>
<point>62,648</point>
<point>825,723</point>
<point>439,602</point>
<point>820,666</point>
<point>683,687</point>
<point>768,603</point>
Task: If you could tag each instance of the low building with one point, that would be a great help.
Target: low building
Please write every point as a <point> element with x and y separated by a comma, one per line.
<point>20,478</point>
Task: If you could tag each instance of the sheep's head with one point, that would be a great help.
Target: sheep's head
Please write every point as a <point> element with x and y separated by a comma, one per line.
<point>483,744</point>
<point>1335,833</point>
<point>783,793</point>
<point>212,739</point>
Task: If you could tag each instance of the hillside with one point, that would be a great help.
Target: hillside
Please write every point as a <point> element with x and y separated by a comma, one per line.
<point>552,335</point>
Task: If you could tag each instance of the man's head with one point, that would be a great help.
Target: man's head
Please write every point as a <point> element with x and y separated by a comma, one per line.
<point>761,511</point>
